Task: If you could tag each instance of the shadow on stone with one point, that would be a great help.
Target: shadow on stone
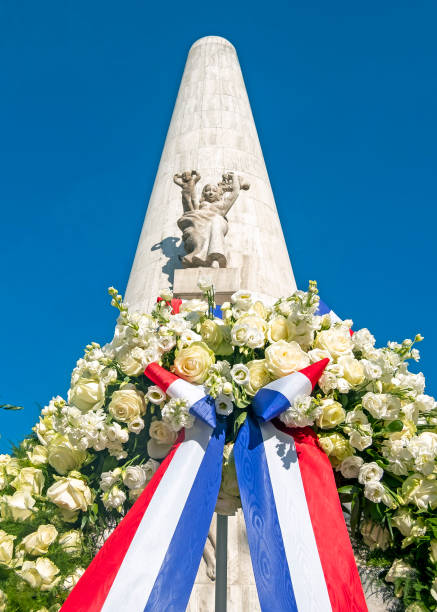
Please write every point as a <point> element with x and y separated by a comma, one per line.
<point>172,248</point>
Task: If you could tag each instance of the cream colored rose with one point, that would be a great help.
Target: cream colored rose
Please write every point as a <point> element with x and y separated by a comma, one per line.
<point>332,414</point>
<point>6,547</point>
<point>38,455</point>
<point>70,494</point>
<point>259,375</point>
<point>212,334</point>
<point>162,438</point>
<point>62,456</point>
<point>353,371</point>
<point>192,363</point>
<point>29,479</point>
<point>87,394</point>
<point>132,360</point>
<point>71,580</point>
<point>127,404</point>
<point>18,506</point>
<point>283,358</point>
<point>337,447</point>
<point>3,601</point>
<point>278,329</point>
<point>71,542</point>
<point>337,341</point>
<point>38,542</point>
<point>40,574</point>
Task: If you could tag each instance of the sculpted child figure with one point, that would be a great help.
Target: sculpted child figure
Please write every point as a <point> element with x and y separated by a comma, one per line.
<point>187,181</point>
<point>205,226</point>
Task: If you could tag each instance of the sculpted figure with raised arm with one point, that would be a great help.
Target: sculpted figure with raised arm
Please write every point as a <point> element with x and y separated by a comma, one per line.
<point>204,225</point>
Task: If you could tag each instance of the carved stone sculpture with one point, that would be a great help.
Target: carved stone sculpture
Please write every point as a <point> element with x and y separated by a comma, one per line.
<point>204,225</point>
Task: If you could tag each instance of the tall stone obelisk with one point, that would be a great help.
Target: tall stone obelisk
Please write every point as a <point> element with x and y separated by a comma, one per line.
<point>213,132</point>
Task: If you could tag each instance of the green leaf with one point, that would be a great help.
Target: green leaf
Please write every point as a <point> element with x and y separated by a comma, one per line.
<point>394,426</point>
<point>239,421</point>
<point>355,514</point>
<point>10,407</point>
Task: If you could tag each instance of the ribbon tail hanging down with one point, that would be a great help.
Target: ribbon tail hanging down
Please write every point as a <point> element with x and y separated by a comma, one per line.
<point>150,561</point>
<point>300,549</point>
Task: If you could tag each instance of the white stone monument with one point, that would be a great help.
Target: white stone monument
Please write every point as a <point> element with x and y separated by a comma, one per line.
<point>231,231</point>
<point>212,131</point>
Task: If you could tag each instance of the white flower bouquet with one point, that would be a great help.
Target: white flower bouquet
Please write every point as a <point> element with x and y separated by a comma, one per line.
<point>90,457</point>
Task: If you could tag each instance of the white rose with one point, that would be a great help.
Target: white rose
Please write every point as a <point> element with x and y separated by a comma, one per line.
<point>374,491</point>
<point>156,450</point>
<point>6,547</point>
<point>162,433</point>
<point>337,341</point>
<point>18,506</point>
<point>71,494</point>
<point>29,479</point>
<point>242,299</point>
<point>240,374</point>
<point>350,466</point>
<point>40,574</point>
<point>318,354</point>
<point>108,479</point>
<point>370,472</point>
<point>132,360</point>
<point>62,456</point>
<point>332,414</point>
<point>127,404</point>
<point>361,439</point>
<point>71,542</point>
<point>404,521</point>
<point>134,477</point>
<point>38,455</point>
<point>353,371</point>
<point>259,375</point>
<point>399,569</point>
<point>283,358</point>
<point>114,498</point>
<point>150,468</point>
<point>38,542</point>
<point>155,395</point>
<point>87,394</point>
<point>421,490</point>
<point>374,535</point>
<point>136,425</point>
<point>71,580</point>
<point>278,329</point>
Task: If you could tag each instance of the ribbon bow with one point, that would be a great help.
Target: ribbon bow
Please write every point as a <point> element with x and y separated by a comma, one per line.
<point>300,549</point>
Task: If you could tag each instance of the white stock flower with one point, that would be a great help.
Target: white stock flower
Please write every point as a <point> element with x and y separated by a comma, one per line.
<point>370,472</point>
<point>176,413</point>
<point>423,449</point>
<point>363,341</point>
<point>382,405</point>
<point>114,498</point>
<point>108,479</point>
<point>303,412</point>
<point>425,403</point>
<point>350,467</point>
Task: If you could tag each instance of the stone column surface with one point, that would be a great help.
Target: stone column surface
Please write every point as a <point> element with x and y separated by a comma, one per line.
<point>212,130</point>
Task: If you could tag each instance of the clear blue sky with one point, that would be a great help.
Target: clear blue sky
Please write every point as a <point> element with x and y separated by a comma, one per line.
<point>344,98</point>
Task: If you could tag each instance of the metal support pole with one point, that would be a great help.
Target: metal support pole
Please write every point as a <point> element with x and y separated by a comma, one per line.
<point>221,563</point>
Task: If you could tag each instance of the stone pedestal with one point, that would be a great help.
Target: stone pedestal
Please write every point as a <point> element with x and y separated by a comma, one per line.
<point>226,282</point>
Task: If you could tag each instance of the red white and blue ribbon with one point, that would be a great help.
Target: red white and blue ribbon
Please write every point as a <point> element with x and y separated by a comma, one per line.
<point>300,549</point>
<point>325,309</point>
